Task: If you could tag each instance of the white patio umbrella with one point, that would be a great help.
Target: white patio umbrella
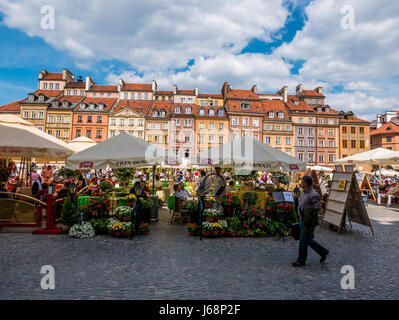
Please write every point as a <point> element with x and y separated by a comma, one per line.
<point>249,154</point>
<point>81,143</point>
<point>386,173</point>
<point>121,151</point>
<point>319,168</point>
<point>375,156</point>
<point>19,138</point>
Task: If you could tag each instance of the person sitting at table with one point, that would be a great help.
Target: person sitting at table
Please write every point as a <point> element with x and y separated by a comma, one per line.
<point>392,192</point>
<point>180,192</point>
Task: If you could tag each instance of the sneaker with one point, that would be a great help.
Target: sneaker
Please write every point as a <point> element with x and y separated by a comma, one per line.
<point>298,264</point>
<point>323,257</point>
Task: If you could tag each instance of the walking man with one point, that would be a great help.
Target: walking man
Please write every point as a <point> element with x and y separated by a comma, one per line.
<point>308,207</point>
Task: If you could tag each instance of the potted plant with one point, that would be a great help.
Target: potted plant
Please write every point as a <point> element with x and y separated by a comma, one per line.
<point>82,230</point>
<point>117,229</point>
<point>209,201</point>
<point>124,213</point>
<point>130,200</point>
<point>192,228</point>
<point>206,229</point>
<point>215,228</point>
<point>144,228</point>
<point>100,225</point>
<point>126,229</point>
<point>223,227</point>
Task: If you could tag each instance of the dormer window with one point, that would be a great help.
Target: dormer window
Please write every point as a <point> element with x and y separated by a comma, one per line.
<point>296,102</point>
<point>101,106</point>
<point>271,114</point>
<point>202,111</point>
<point>65,104</point>
<point>327,109</point>
<point>188,110</point>
<point>41,97</point>
<point>177,109</point>
<point>319,109</point>
<point>163,113</point>
<point>245,106</point>
<point>91,107</point>
<point>280,114</point>
<point>211,112</point>
<point>82,106</point>
<point>220,112</point>
<point>155,113</point>
<point>55,104</point>
<point>389,128</point>
<point>31,97</point>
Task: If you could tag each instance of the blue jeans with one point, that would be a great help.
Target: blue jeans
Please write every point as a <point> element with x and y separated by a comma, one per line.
<point>304,242</point>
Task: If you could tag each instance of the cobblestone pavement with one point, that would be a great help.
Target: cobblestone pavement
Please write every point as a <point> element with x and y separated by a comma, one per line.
<point>168,264</point>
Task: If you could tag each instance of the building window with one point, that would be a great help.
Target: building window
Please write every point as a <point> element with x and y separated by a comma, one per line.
<point>287,140</point>
<point>188,110</point>
<point>89,119</point>
<point>330,157</point>
<point>41,115</point>
<point>361,130</point>
<point>330,121</point>
<point>78,133</point>
<point>255,122</point>
<point>66,135</point>
<point>311,131</point>
<point>221,126</point>
<point>310,157</point>
<point>278,128</point>
<point>256,136</point>
<point>132,96</point>
<point>141,123</point>
<point>44,86</point>
<point>67,119</point>
<point>201,125</point>
<point>50,119</point>
<point>145,96</point>
<point>331,144</point>
<point>176,122</point>
<point>200,139</point>
<point>389,139</point>
<point>50,132</point>
<point>245,106</point>
<point>210,139</point>
<point>344,144</point>
<point>321,157</point>
<point>271,114</point>
<point>310,120</point>
<point>88,133</point>
<point>300,131</point>
<point>234,121</point>
<point>220,112</point>
<point>320,121</point>
<point>300,156</point>
<point>177,109</point>
<point>300,142</point>
<point>353,143</point>
<point>51,86</point>
<point>211,125</point>
<point>310,142</point>
<point>220,139</point>
<point>82,93</point>
<point>202,111</point>
<point>80,119</point>
<point>267,140</point>
<point>99,134</point>
<point>75,92</point>
<point>26,114</point>
<point>121,122</point>
<point>321,132</point>
<point>321,143</point>
<point>131,122</point>
<point>139,96</point>
<point>278,140</point>
<point>268,128</point>
<point>280,115</point>
<point>300,120</point>
<point>33,115</point>
<point>361,144</point>
<point>330,132</point>
<point>353,130</point>
<point>211,112</point>
<point>245,122</point>
<point>58,133</point>
<point>287,128</point>
<point>344,130</point>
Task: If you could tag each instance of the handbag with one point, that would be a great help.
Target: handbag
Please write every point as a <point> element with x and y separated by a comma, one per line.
<point>296,231</point>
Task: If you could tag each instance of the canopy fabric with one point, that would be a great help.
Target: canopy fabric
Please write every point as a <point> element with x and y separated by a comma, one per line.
<point>375,156</point>
<point>319,168</point>
<point>19,138</point>
<point>386,173</point>
<point>121,151</point>
<point>249,154</point>
<point>81,143</point>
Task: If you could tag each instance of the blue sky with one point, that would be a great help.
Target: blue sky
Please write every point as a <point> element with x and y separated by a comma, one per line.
<point>263,42</point>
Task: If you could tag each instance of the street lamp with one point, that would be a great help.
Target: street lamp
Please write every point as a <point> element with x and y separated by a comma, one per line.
<point>136,209</point>
<point>201,195</point>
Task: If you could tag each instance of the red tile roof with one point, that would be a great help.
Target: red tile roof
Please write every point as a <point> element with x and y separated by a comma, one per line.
<point>52,76</point>
<point>164,93</point>
<point>137,87</point>
<point>383,129</point>
<point>49,93</point>
<point>235,105</point>
<point>275,106</point>
<point>242,94</point>
<point>301,106</point>
<point>186,92</point>
<point>72,99</point>
<point>12,106</point>
<point>138,106</point>
<point>312,93</point>
<point>76,84</point>
<point>108,102</point>
<point>104,88</point>
<point>166,105</point>
<point>210,95</point>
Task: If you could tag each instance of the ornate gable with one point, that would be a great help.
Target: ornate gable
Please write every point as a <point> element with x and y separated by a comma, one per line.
<point>127,113</point>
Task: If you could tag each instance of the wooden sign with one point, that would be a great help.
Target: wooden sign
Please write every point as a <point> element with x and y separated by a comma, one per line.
<point>345,200</point>
<point>365,185</point>
<point>342,185</point>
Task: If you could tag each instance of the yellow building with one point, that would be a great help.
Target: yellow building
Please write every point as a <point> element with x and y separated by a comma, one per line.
<point>34,108</point>
<point>277,126</point>
<point>59,117</point>
<point>354,134</point>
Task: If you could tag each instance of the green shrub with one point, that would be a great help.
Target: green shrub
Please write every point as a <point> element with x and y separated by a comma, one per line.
<point>69,215</point>
<point>106,185</point>
<point>100,225</point>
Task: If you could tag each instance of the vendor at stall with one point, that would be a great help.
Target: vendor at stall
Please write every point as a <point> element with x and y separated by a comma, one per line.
<point>47,173</point>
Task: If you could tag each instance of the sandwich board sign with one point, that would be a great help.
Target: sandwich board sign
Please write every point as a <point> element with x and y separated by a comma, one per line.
<point>365,185</point>
<point>345,199</point>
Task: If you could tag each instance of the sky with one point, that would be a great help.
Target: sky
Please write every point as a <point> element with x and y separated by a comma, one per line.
<point>348,47</point>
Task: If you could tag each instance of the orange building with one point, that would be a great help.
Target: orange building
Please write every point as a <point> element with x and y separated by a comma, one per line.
<point>90,118</point>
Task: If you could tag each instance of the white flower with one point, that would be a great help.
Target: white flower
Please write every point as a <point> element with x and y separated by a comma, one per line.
<point>82,230</point>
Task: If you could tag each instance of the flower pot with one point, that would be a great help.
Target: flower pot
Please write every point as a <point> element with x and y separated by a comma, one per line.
<point>126,233</point>
<point>144,233</point>
<point>206,233</point>
<point>191,233</point>
<point>215,232</point>
<point>222,232</point>
<point>130,203</point>
<point>209,219</point>
<point>229,233</point>
<point>118,234</point>
<point>208,205</point>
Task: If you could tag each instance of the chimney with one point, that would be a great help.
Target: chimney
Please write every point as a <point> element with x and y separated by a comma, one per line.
<point>298,90</point>
<point>196,91</point>
<point>284,93</point>
<point>67,75</point>
<point>154,86</point>
<point>89,83</point>
<point>254,88</point>
<point>42,74</point>
<point>174,89</point>
<point>225,89</point>
<point>319,90</point>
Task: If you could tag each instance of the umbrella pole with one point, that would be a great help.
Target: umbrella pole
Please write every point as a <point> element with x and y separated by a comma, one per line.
<point>380,172</point>
<point>153,180</point>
